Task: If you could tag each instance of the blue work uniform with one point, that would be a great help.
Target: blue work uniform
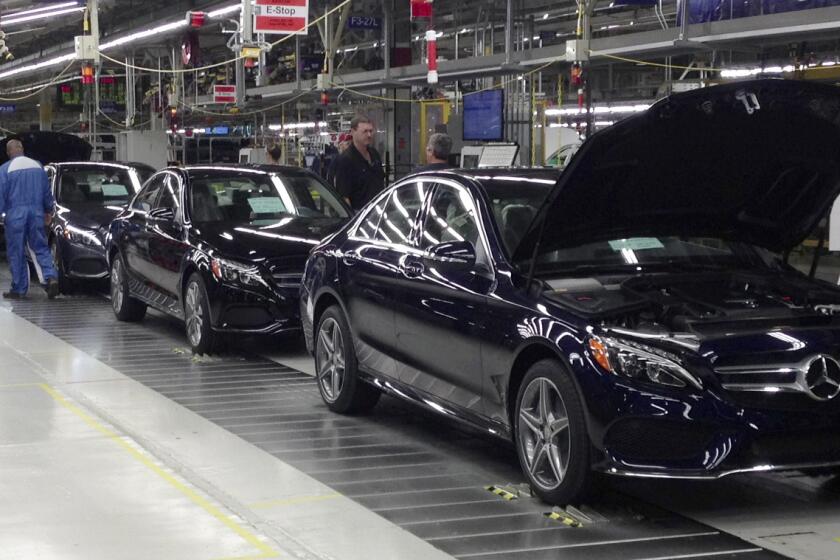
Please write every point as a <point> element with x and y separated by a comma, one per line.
<point>25,197</point>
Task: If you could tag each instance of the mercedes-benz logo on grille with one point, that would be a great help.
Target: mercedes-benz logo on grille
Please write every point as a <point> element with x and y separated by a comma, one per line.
<point>822,378</point>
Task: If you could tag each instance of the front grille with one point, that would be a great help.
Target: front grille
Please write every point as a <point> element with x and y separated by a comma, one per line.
<point>654,440</point>
<point>287,280</point>
<point>287,272</point>
<point>779,386</point>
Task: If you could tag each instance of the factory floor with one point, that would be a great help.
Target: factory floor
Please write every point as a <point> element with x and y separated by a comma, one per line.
<point>116,444</point>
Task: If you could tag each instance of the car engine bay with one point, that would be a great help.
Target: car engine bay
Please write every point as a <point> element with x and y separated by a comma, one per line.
<point>707,303</point>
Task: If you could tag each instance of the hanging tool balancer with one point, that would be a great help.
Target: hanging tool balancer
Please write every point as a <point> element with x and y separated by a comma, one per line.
<point>5,54</point>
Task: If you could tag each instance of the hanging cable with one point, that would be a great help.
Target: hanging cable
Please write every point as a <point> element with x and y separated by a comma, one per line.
<point>226,62</point>
<point>52,82</point>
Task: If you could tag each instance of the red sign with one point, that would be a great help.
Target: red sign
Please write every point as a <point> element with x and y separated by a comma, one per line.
<point>281,16</point>
<point>224,94</point>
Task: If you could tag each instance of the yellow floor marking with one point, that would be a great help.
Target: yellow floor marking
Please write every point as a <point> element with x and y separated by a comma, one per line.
<point>293,501</point>
<point>265,550</point>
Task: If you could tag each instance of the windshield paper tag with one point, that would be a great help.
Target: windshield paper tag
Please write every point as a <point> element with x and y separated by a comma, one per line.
<point>636,244</point>
<point>113,189</point>
<point>266,205</point>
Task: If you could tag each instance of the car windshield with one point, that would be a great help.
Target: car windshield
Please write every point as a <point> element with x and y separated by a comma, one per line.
<point>515,202</point>
<point>261,198</point>
<point>645,252</point>
<point>98,186</point>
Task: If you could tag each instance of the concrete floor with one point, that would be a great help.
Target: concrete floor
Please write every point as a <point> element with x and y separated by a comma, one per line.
<point>96,465</point>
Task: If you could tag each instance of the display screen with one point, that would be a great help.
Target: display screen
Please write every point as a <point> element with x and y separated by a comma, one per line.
<point>111,94</point>
<point>483,115</point>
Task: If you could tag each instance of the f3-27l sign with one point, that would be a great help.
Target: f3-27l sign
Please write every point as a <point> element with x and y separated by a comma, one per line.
<point>281,16</point>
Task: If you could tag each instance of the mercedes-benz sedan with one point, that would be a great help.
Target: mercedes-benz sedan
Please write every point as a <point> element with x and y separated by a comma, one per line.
<point>222,248</point>
<point>633,315</point>
<point>88,196</point>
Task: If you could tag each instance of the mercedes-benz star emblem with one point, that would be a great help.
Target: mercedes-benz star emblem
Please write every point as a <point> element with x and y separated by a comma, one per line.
<point>822,378</point>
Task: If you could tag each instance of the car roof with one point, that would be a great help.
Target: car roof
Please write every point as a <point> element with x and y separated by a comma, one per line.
<point>247,167</point>
<point>101,164</point>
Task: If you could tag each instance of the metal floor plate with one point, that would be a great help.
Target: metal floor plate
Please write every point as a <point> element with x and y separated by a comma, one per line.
<point>422,474</point>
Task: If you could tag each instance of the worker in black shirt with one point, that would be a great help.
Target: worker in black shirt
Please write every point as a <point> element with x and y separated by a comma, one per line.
<point>358,171</point>
<point>437,152</point>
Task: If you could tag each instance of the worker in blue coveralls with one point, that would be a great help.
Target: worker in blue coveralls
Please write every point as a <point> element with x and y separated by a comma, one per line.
<point>27,200</point>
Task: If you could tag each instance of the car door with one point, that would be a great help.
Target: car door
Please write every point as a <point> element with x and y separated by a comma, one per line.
<point>370,268</point>
<point>166,242</point>
<point>134,238</point>
<point>439,311</point>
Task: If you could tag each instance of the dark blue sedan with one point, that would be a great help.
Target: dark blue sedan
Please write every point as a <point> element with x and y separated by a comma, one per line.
<point>633,315</point>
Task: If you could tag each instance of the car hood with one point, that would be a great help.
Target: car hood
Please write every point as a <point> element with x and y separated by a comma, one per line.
<point>88,216</point>
<point>755,161</point>
<point>260,241</point>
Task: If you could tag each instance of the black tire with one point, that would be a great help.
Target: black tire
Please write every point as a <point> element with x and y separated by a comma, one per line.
<point>549,377</point>
<point>65,284</point>
<point>126,308</point>
<point>336,368</point>
<point>197,320</point>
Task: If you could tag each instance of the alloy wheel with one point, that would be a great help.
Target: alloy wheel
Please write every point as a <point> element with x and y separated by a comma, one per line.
<point>330,359</point>
<point>195,314</point>
<point>544,438</point>
<point>117,295</point>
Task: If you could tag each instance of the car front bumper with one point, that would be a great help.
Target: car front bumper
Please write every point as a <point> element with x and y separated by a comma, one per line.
<point>244,310</point>
<point>707,434</point>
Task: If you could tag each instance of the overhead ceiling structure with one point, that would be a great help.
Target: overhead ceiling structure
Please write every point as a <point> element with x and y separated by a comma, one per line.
<point>473,42</point>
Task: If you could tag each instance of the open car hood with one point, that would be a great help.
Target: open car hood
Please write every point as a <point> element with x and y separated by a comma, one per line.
<point>756,162</point>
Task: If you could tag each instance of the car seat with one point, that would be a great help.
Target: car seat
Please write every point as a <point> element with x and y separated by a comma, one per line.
<point>205,205</point>
<point>516,219</point>
<point>70,191</point>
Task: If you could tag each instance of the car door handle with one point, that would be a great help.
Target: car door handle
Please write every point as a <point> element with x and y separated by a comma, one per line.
<point>349,259</point>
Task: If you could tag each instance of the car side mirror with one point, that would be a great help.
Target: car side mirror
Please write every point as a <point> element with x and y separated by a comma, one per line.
<point>453,256</point>
<point>162,214</point>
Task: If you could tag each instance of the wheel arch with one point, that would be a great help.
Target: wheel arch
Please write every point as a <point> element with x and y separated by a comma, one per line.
<point>529,353</point>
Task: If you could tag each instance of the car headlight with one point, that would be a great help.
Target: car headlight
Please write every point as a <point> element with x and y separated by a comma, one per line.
<point>81,236</point>
<point>640,362</point>
<point>232,272</point>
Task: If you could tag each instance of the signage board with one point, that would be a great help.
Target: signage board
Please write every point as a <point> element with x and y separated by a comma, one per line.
<point>224,94</point>
<point>282,17</point>
<point>364,22</point>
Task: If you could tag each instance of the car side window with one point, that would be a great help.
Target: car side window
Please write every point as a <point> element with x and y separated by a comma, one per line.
<point>170,195</point>
<point>145,199</point>
<point>451,217</point>
<point>400,213</point>
<point>370,222</point>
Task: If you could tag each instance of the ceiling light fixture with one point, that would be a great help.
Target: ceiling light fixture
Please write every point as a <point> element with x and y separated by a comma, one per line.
<point>116,42</point>
<point>44,9</point>
<point>12,20</point>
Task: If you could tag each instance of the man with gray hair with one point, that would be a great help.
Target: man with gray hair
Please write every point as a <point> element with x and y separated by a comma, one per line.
<point>437,152</point>
<point>28,202</point>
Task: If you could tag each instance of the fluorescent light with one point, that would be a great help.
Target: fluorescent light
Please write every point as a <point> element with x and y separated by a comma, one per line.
<point>45,9</point>
<point>38,66</point>
<point>224,11</point>
<point>600,109</point>
<point>11,20</point>
<point>172,26</point>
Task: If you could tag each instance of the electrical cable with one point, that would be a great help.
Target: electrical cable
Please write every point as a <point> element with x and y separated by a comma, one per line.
<point>501,84</point>
<point>51,83</point>
<point>226,62</point>
<point>248,113</point>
